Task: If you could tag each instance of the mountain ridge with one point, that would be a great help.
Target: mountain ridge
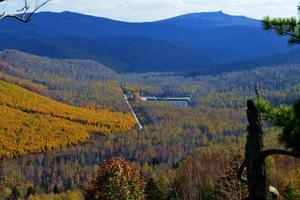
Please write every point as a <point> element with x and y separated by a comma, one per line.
<point>162,46</point>
<point>218,18</point>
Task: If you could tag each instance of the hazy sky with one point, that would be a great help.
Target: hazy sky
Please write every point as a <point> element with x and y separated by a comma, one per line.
<point>148,10</point>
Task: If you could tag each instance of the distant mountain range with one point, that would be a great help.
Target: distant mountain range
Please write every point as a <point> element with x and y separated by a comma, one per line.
<point>207,20</point>
<point>199,42</point>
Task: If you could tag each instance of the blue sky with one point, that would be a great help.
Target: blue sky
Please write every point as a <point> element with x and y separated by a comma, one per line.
<point>149,10</point>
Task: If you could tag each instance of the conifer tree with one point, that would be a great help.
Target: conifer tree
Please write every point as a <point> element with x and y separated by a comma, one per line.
<point>284,27</point>
<point>152,190</point>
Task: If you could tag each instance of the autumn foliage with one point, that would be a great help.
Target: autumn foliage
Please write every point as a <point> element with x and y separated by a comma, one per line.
<point>117,179</point>
<point>31,123</point>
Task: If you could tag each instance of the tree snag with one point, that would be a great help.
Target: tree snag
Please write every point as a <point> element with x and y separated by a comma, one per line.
<point>256,169</point>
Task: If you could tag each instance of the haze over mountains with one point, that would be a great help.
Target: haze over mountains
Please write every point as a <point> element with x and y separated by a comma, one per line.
<point>199,42</point>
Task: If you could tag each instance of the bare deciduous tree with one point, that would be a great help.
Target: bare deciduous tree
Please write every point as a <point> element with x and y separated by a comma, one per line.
<point>25,11</point>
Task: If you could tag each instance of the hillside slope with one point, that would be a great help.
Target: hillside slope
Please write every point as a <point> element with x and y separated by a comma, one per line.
<point>75,69</point>
<point>78,82</point>
<point>291,57</point>
<point>33,123</point>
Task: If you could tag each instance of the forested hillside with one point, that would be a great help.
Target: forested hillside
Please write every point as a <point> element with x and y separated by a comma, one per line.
<point>195,144</point>
<point>77,82</point>
<point>289,58</point>
<point>279,83</point>
<point>72,69</point>
<point>31,123</point>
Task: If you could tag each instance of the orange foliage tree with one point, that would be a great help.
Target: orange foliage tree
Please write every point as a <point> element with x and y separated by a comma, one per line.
<point>117,179</point>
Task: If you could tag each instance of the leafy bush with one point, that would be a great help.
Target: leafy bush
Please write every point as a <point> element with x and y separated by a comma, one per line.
<point>117,179</point>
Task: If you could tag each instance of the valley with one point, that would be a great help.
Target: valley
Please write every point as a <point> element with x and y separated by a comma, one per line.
<point>169,96</point>
<point>214,120</point>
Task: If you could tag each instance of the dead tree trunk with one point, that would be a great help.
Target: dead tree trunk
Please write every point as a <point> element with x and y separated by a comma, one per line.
<point>255,165</point>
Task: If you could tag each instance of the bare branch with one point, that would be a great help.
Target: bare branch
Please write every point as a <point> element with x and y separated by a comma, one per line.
<point>264,155</point>
<point>25,16</point>
<point>25,8</point>
<point>271,152</point>
<point>4,15</point>
<point>240,173</point>
<point>257,91</point>
<point>36,9</point>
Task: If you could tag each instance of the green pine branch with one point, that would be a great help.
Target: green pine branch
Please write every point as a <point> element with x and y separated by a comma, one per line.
<point>286,117</point>
<point>284,27</point>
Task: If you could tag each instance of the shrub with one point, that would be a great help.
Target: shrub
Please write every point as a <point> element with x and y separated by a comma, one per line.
<point>117,179</point>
